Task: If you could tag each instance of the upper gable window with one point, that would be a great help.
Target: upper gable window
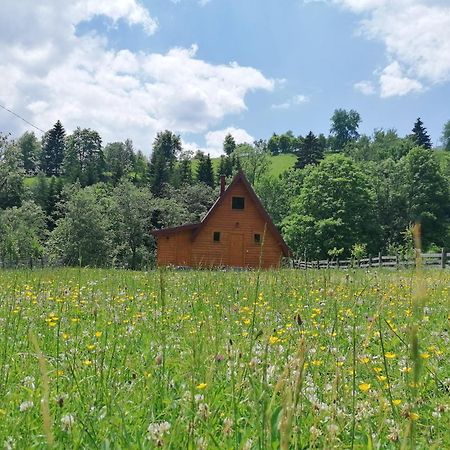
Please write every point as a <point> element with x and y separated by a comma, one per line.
<point>238,203</point>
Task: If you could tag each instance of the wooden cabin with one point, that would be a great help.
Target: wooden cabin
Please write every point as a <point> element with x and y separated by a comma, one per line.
<point>236,232</point>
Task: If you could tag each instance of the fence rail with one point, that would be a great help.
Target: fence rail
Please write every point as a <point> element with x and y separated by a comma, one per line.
<point>441,260</point>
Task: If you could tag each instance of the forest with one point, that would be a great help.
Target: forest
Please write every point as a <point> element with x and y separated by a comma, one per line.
<point>68,199</point>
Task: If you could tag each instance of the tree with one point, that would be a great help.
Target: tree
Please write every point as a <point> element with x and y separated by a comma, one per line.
<point>344,128</point>
<point>119,159</point>
<point>22,233</point>
<point>420,136</point>
<point>335,209</point>
<point>30,149</point>
<point>83,234</point>
<point>229,144</point>
<point>166,147</point>
<point>53,150</point>
<point>426,193</point>
<point>185,169</point>
<point>273,145</point>
<point>446,136</point>
<point>132,243</point>
<point>254,159</point>
<point>390,202</point>
<point>84,159</point>
<point>11,174</point>
<point>310,151</point>
<point>287,142</point>
<point>205,171</point>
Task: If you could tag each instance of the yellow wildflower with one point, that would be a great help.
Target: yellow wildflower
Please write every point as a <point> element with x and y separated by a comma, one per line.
<point>364,387</point>
<point>274,339</point>
<point>201,386</point>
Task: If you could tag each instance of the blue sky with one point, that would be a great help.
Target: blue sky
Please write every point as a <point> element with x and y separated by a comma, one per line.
<point>129,68</point>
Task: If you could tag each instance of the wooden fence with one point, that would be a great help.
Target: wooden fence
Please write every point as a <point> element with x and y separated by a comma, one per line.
<point>440,260</point>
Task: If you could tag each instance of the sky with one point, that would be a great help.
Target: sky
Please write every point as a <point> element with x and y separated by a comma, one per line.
<point>203,68</point>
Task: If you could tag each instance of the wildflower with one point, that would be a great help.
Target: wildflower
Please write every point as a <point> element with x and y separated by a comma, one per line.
<point>67,422</point>
<point>157,431</point>
<point>332,429</point>
<point>98,334</point>
<point>425,355</point>
<point>396,401</point>
<point>365,360</point>
<point>390,355</point>
<point>316,362</point>
<point>248,444</point>
<point>273,340</point>
<point>87,362</point>
<point>28,382</point>
<point>203,410</point>
<point>201,386</point>
<point>25,406</point>
<point>414,416</point>
<point>314,432</point>
<point>227,426</point>
<point>364,387</point>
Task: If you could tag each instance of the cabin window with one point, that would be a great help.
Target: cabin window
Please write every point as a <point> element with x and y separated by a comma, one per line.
<point>216,236</point>
<point>257,238</point>
<point>238,203</point>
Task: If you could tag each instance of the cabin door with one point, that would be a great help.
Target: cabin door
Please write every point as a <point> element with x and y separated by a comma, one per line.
<point>236,250</point>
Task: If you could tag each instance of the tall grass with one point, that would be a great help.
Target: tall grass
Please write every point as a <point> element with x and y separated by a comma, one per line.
<point>242,360</point>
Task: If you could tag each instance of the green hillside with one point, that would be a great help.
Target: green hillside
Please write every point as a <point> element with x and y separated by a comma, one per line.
<point>279,163</point>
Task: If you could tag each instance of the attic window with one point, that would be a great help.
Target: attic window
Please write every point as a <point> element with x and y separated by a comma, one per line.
<point>216,236</point>
<point>238,203</point>
<point>257,238</point>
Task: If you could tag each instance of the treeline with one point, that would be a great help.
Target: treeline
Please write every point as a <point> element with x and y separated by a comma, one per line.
<point>75,201</point>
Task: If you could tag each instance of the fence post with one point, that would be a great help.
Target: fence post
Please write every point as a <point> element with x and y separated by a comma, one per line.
<point>337,263</point>
<point>380,260</point>
<point>397,261</point>
<point>443,258</point>
<point>328,263</point>
<point>370,261</point>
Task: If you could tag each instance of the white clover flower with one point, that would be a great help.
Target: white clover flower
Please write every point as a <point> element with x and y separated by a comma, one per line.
<point>67,422</point>
<point>25,406</point>
<point>227,426</point>
<point>156,432</point>
<point>28,382</point>
<point>315,432</point>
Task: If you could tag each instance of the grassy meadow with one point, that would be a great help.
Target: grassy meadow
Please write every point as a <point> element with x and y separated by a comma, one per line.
<point>229,360</point>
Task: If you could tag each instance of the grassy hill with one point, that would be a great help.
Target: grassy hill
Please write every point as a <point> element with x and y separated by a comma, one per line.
<point>279,163</point>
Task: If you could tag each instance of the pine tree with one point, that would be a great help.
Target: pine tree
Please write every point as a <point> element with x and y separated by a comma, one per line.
<point>166,147</point>
<point>53,150</point>
<point>420,135</point>
<point>205,171</point>
<point>309,151</point>
<point>229,144</point>
<point>185,171</point>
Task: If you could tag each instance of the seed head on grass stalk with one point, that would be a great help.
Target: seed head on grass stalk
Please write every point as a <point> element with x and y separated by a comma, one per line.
<point>289,387</point>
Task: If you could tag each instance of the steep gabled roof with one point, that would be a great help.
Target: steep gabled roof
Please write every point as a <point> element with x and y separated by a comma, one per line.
<point>197,227</point>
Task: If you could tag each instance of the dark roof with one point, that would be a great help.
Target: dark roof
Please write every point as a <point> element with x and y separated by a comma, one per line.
<point>197,227</point>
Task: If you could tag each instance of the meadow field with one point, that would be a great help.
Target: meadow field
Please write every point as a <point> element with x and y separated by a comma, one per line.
<point>224,360</point>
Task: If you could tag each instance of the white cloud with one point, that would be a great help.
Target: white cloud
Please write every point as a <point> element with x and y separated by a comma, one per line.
<point>365,87</point>
<point>416,35</point>
<point>54,73</point>
<point>295,100</point>
<point>214,139</point>
<point>393,82</point>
